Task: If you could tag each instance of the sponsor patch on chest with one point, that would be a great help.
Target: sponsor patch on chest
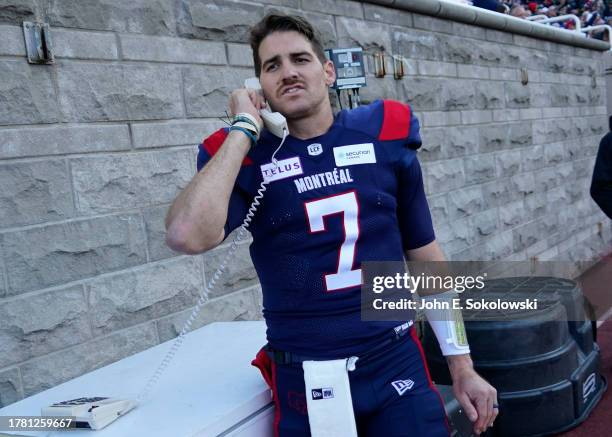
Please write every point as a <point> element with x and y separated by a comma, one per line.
<point>285,168</point>
<point>354,154</point>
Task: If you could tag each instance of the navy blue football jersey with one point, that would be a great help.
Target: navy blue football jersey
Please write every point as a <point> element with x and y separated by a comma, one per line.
<point>351,195</point>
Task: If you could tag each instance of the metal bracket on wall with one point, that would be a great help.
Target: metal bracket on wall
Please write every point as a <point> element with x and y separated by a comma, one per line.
<point>379,64</point>
<point>398,68</point>
<point>524,76</point>
<point>38,42</point>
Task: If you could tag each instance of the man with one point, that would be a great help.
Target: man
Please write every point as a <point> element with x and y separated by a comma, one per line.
<point>320,217</point>
<point>519,11</point>
<point>601,184</point>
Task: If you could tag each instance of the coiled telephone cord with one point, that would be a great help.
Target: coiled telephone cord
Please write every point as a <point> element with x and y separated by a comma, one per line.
<point>144,394</point>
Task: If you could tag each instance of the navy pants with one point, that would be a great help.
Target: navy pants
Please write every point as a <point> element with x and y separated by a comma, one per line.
<point>392,392</point>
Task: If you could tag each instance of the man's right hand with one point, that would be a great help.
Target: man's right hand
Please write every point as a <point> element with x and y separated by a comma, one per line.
<point>247,100</point>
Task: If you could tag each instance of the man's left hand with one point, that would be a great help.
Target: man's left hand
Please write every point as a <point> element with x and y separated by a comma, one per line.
<point>477,397</point>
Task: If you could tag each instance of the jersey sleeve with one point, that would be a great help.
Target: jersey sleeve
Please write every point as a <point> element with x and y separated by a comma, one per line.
<point>413,213</point>
<point>399,132</point>
<point>238,206</point>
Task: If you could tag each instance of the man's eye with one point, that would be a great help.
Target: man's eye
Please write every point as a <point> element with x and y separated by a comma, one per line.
<point>301,60</point>
<point>271,67</point>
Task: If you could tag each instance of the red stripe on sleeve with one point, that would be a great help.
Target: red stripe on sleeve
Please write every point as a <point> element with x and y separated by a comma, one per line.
<point>396,121</point>
<point>214,142</point>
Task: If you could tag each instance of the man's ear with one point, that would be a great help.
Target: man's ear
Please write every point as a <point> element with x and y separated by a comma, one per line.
<point>330,72</point>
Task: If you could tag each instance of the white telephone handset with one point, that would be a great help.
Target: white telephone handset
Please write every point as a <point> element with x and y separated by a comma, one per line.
<point>275,122</point>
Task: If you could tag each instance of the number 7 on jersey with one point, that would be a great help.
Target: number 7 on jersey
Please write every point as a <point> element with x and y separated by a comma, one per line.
<point>345,204</point>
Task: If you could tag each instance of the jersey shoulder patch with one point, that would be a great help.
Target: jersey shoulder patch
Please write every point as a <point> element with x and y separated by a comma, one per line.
<point>385,120</point>
<point>395,122</point>
<point>399,125</point>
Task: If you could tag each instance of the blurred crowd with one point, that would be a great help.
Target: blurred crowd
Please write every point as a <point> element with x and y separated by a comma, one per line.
<point>590,12</point>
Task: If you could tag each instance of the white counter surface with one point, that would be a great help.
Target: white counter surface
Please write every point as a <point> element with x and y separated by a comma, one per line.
<point>209,386</point>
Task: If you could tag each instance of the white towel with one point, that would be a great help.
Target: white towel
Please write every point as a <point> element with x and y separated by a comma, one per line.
<point>328,396</point>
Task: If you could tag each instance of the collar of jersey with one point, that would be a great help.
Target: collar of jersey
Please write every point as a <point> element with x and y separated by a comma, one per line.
<point>299,146</point>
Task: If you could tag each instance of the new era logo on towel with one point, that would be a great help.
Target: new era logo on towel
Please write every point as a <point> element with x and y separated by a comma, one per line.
<point>322,393</point>
<point>403,386</point>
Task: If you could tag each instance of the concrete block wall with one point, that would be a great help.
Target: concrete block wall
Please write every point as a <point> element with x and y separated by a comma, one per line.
<point>95,147</point>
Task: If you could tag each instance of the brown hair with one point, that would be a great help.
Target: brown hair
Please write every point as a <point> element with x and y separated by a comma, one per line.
<point>283,23</point>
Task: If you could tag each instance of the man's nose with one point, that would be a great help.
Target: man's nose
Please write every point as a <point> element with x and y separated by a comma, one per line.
<point>288,71</point>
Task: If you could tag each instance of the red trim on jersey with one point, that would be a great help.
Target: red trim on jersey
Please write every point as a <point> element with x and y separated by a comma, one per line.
<point>262,362</point>
<point>213,143</point>
<point>416,340</point>
<point>396,121</point>
<point>414,337</point>
<point>268,370</point>
<point>277,406</point>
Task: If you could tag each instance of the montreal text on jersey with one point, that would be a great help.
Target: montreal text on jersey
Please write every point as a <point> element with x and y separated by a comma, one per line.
<point>455,304</point>
<point>334,177</point>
